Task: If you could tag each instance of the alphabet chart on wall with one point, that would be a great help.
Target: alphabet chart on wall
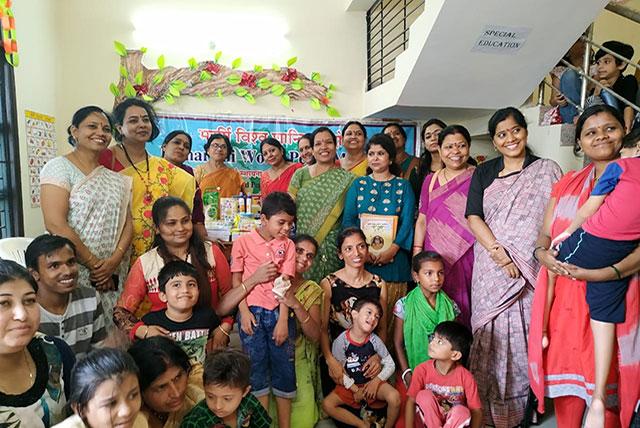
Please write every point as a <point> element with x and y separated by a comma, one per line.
<point>41,148</point>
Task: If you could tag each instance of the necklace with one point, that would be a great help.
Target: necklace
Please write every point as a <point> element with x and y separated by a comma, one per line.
<point>148,197</point>
<point>26,360</point>
<point>80,162</point>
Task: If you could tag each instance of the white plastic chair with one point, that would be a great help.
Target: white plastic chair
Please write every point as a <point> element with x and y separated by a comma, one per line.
<point>14,248</point>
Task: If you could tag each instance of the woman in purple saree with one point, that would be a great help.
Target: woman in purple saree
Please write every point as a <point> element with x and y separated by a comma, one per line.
<point>441,225</point>
<point>505,210</point>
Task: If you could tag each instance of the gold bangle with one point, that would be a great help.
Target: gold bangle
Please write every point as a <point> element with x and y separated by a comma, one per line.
<point>244,287</point>
<point>121,249</point>
<point>306,320</point>
<point>223,331</point>
<point>146,332</point>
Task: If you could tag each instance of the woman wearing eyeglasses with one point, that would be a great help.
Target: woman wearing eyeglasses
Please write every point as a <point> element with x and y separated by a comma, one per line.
<point>215,175</point>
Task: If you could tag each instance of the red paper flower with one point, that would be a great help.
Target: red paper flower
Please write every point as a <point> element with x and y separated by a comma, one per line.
<point>290,74</point>
<point>212,67</point>
<point>141,89</point>
<point>325,100</point>
<point>248,80</point>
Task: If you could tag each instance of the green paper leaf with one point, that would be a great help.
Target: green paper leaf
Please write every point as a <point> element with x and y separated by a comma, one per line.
<point>199,96</point>
<point>297,85</point>
<point>250,99</point>
<point>193,64</point>
<point>147,98</point>
<point>277,90</point>
<point>315,103</point>
<point>219,94</point>
<point>332,87</point>
<point>120,49</point>
<point>285,100</point>
<point>241,92</point>
<point>257,68</point>
<point>204,75</point>
<point>138,79</point>
<point>143,50</point>
<point>114,90</point>
<point>174,91</point>
<point>123,72</point>
<point>217,57</point>
<point>169,99</point>
<point>161,62</point>
<point>275,67</point>
<point>264,83</point>
<point>315,76</point>
<point>236,63</point>
<point>234,79</point>
<point>129,90</point>
<point>158,78</point>
<point>292,61</point>
<point>179,84</point>
<point>332,112</point>
<point>329,94</point>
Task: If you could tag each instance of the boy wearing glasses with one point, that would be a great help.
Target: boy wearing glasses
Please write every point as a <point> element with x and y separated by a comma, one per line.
<point>442,391</point>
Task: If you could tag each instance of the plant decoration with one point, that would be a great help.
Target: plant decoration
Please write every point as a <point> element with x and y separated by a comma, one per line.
<point>8,23</point>
<point>213,79</point>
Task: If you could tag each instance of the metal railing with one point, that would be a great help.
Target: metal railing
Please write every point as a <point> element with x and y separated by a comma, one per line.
<point>584,71</point>
<point>388,23</point>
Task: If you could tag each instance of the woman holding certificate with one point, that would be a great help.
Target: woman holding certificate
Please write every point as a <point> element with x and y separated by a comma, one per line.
<point>382,204</point>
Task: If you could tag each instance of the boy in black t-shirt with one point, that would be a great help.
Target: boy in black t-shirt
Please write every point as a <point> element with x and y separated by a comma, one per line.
<point>188,325</point>
<point>610,75</point>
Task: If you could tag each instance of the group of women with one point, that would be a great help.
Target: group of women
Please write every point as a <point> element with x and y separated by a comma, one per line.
<point>128,213</point>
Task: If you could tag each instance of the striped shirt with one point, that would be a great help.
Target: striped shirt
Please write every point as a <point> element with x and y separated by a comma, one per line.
<point>82,324</point>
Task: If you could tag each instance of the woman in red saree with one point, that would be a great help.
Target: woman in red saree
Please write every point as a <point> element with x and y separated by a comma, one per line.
<point>565,370</point>
<point>505,209</point>
<point>278,177</point>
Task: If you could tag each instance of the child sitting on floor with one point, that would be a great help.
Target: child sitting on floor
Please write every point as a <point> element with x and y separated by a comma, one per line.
<point>442,391</point>
<point>228,402</point>
<point>606,229</point>
<point>353,348</point>
<point>189,325</point>
<point>420,311</point>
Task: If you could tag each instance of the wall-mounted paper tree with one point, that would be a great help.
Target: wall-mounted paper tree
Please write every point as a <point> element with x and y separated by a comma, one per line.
<point>213,79</point>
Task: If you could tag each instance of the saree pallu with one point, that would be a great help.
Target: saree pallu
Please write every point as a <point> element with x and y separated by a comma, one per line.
<point>280,184</point>
<point>305,409</point>
<point>566,367</point>
<point>360,169</point>
<point>162,179</point>
<point>448,234</point>
<point>98,206</point>
<point>514,209</point>
<point>226,181</point>
<point>320,202</point>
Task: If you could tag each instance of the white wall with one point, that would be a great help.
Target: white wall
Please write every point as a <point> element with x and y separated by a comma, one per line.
<point>36,84</point>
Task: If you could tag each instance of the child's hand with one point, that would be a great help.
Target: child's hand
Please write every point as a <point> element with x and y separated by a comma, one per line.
<point>559,239</point>
<point>371,388</point>
<point>358,396</point>
<point>281,331</point>
<point>372,367</point>
<point>247,322</point>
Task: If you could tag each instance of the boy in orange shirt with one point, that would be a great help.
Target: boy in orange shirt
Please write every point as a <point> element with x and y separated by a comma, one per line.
<point>266,331</point>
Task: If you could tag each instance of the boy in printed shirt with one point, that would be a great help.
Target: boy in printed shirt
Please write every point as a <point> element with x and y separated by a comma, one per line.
<point>67,311</point>
<point>266,331</point>
<point>442,391</point>
<point>228,402</point>
<point>189,325</point>
<point>353,348</point>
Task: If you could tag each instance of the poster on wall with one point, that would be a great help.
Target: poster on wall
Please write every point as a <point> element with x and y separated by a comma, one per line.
<point>246,133</point>
<point>41,148</point>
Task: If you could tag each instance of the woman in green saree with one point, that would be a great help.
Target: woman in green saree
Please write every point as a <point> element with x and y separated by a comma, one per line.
<point>319,191</point>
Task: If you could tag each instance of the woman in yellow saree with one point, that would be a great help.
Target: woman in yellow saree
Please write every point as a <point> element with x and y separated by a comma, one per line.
<point>153,177</point>
<point>319,191</point>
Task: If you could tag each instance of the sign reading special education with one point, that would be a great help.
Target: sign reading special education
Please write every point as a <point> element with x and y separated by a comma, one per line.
<point>246,133</point>
<point>501,40</point>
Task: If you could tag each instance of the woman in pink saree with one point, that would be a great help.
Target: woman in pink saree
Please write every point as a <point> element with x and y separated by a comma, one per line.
<point>505,209</point>
<point>441,226</point>
<point>565,371</point>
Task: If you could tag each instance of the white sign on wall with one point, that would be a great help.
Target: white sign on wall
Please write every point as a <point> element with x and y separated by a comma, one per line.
<point>502,40</point>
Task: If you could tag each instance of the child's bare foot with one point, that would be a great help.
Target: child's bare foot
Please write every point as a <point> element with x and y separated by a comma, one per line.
<point>545,341</point>
<point>595,415</point>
